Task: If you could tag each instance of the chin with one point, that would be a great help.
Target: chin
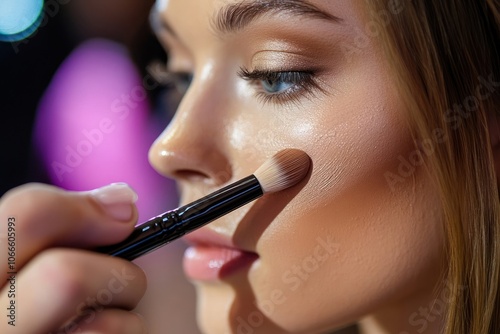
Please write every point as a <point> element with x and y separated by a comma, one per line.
<point>229,307</point>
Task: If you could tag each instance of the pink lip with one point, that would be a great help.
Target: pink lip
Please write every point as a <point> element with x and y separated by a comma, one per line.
<point>212,256</point>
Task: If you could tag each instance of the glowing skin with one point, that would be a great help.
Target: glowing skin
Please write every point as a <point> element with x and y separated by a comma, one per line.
<point>342,245</point>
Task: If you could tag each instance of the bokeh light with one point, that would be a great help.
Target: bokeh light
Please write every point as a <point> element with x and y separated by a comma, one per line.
<point>19,18</point>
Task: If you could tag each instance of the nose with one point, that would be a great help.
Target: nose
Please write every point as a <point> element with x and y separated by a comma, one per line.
<point>192,147</point>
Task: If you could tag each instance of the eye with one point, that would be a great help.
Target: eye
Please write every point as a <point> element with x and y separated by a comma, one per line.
<point>273,86</point>
<point>280,86</point>
<point>179,81</point>
<point>175,89</point>
<point>173,85</point>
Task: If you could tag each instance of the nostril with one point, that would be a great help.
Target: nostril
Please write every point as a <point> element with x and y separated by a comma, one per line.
<point>210,178</point>
<point>190,175</point>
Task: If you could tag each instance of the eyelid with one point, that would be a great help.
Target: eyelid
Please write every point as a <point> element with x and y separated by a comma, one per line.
<point>261,74</point>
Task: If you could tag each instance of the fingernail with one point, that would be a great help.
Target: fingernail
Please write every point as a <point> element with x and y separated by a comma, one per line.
<point>116,199</point>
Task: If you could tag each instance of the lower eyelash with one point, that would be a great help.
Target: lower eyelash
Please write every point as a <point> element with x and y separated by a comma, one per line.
<point>304,84</point>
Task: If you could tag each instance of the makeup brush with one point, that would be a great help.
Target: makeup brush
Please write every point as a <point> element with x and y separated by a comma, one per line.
<point>282,171</point>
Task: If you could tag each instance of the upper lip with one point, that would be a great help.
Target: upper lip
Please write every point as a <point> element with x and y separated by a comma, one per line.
<point>207,237</point>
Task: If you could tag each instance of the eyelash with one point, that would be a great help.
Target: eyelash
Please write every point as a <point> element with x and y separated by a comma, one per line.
<point>303,84</point>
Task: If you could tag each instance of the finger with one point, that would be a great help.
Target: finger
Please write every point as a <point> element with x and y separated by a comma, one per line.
<point>34,217</point>
<point>60,284</point>
<point>108,321</point>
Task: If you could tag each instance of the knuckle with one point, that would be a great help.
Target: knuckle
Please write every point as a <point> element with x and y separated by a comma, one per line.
<point>29,201</point>
<point>24,192</point>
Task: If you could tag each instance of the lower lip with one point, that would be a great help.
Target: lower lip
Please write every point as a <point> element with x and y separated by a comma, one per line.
<point>210,263</point>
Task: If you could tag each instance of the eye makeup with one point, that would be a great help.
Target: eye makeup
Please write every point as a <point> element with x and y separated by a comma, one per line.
<point>282,76</point>
<point>283,68</point>
<point>280,86</point>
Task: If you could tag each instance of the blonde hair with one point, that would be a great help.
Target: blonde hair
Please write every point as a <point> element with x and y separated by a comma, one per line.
<point>443,54</point>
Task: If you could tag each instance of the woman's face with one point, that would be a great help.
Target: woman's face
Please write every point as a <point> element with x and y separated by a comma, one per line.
<point>360,236</point>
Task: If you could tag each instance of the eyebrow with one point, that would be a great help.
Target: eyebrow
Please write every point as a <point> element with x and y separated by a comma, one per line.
<point>234,17</point>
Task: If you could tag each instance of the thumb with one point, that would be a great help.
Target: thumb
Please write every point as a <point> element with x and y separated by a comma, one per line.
<point>34,217</point>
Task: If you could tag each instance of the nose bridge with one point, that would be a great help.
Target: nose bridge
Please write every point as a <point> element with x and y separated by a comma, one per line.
<point>202,99</point>
<point>200,116</point>
<point>194,140</point>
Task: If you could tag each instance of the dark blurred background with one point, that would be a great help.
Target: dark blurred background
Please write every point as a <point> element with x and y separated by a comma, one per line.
<point>28,66</point>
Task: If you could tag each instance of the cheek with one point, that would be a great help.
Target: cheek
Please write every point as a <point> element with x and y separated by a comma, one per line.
<point>348,242</point>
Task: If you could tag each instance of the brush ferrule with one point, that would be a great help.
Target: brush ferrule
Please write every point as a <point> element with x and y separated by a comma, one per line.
<point>146,237</point>
<point>219,203</point>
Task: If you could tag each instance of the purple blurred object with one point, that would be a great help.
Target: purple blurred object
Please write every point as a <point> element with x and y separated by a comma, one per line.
<point>93,126</point>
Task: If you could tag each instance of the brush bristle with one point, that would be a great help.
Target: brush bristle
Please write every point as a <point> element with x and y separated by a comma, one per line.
<point>283,170</point>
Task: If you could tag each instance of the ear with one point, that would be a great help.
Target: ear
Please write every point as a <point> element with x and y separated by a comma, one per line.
<point>494,130</point>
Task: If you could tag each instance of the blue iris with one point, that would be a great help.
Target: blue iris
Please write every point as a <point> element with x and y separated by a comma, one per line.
<point>276,86</point>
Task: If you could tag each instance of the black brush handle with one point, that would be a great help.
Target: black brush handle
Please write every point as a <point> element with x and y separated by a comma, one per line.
<point>172,225</point>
